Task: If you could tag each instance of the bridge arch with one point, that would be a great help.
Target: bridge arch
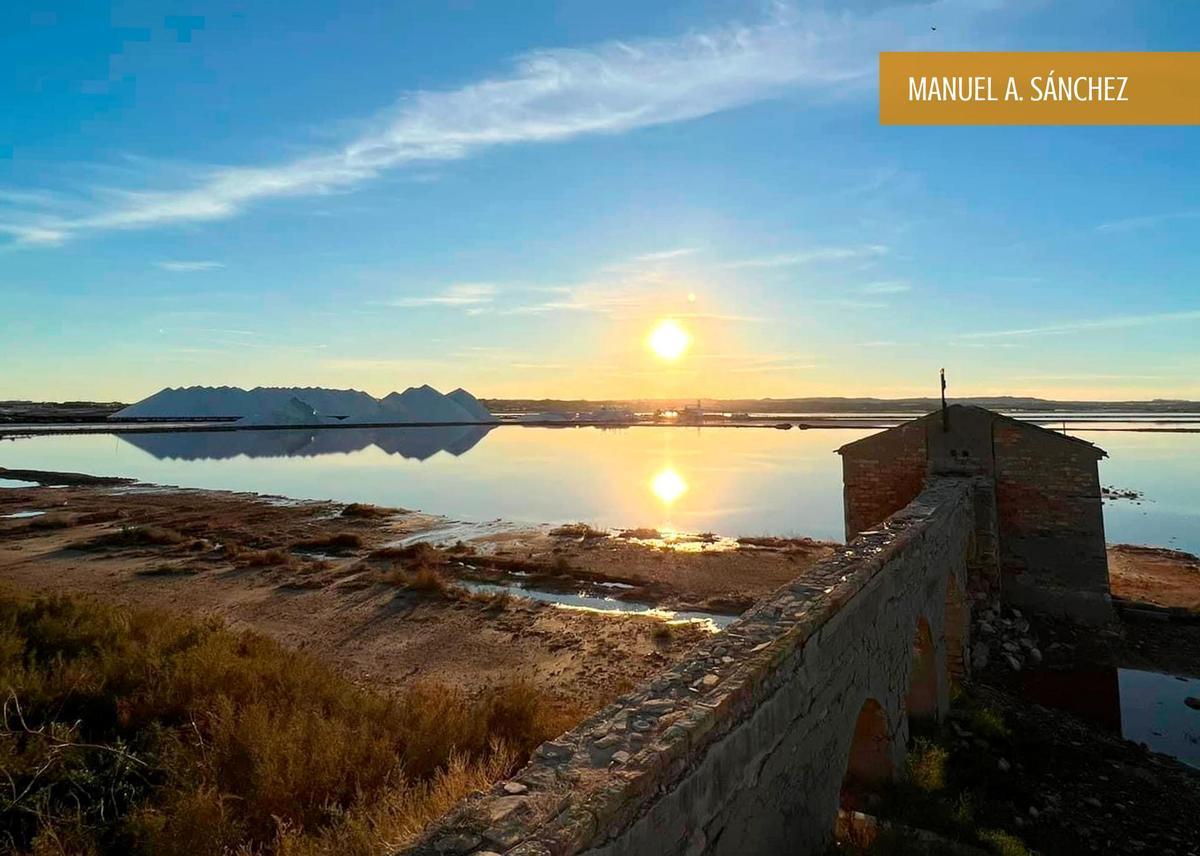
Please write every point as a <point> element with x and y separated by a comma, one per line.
<point>922,700</point>
<point>869,764</point>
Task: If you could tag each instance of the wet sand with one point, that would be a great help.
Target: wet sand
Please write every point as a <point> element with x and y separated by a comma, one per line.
<point>1156,575</point>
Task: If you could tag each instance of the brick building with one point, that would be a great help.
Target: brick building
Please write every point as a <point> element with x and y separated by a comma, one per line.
<point>1043,537</point>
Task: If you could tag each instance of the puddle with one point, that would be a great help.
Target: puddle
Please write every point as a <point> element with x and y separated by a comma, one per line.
<point>15,483</point>
<point>1144,707</point>
<point>681,542</point>
<point>20,515</point>
<point>584,602</point>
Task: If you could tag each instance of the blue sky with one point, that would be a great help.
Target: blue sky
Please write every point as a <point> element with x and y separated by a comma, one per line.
<point>509,196</point>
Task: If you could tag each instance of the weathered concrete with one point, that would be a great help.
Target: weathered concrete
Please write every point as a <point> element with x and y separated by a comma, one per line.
<point>744,747</point>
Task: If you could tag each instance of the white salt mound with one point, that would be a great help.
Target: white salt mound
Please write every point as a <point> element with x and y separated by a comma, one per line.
<point>309,406</point>
<point>295,412</point>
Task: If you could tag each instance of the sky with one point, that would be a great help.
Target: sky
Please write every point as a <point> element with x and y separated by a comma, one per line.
<point>510,196</point>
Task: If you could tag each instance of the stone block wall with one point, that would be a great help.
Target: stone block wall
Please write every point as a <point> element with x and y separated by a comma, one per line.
<point>743,747</point>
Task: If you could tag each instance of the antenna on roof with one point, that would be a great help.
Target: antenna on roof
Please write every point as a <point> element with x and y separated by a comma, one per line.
<point>945,412</point>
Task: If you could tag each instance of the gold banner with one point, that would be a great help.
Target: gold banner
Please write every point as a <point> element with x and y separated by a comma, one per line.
<point>1045,88</point>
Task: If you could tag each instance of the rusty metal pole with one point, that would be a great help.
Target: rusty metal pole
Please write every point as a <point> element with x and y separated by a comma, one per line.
<point>945,412</point>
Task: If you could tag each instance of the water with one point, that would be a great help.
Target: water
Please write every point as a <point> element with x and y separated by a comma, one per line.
<point>585,602</point>
<point>1145,707</point>
<point>733,481</point>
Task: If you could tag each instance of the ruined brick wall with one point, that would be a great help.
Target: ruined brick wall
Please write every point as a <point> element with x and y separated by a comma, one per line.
<point>742,748</point>
<point>881,475</point>
<point>1050,523</point>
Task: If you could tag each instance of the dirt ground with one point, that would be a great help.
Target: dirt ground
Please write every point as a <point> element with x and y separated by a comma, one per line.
<point>1156,575</point>
<point>346,583</point>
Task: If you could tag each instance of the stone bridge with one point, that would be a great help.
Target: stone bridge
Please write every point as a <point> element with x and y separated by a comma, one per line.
<point>745,747</point>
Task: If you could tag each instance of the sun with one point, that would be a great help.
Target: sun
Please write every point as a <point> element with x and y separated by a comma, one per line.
<point>669,340</point>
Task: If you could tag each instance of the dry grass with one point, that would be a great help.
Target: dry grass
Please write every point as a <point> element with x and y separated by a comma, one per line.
<point>641,534</point>
<point>51,521</point>
<point>266,559</point>
<point>580,531</point>
<point>140,732</point>
<point>133,536</point>
<point>414,555</point>
<point>364,511</point>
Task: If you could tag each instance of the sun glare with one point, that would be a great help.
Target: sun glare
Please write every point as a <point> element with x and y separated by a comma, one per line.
<point>669,340</point>
<point>668,485</point>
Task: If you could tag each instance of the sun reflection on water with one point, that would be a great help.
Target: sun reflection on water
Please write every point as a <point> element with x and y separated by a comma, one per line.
<point>668,485</point>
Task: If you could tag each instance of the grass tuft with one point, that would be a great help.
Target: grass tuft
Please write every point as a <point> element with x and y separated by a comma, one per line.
<point>581,531</point>
<point>925,766</point>
<point>364,511</point>
<point>133,536</point>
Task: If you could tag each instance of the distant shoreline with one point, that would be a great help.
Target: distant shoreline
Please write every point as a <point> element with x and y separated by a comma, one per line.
<point>848,422</point>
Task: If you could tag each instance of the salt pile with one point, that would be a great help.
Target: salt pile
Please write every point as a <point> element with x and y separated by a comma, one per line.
<point>309,406</point>
<point>295,412</point>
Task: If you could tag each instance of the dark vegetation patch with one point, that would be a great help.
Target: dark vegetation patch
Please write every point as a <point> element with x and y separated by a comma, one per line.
<point>365,511</point>
<point>132,536</point>
<point>52,520</point>
<point>139,732</point>
<point>338,543</point>
<point>167,570</point>
<point>642,534</point>
<point>578,531</point>
<point>413,555</point>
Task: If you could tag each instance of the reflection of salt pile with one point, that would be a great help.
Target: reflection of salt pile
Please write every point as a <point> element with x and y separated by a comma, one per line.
<point>310,406</point>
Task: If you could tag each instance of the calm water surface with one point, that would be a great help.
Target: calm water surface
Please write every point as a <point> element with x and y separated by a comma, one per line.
<point>1145,707</point>
<point>734,481</point>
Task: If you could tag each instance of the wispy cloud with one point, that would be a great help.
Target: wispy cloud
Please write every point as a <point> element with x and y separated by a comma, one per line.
<point>665,255</point>
<point>1131,224</point>
<point>549,96</point>
<point>1114,323</point>
<point>465,295</point>
<point>188,267</point>
<point>803,257</point>
<point>891,286</point>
